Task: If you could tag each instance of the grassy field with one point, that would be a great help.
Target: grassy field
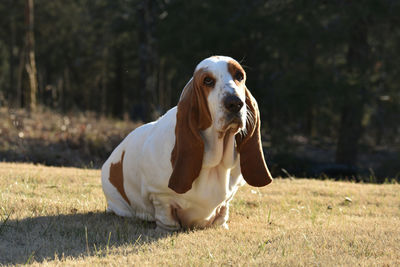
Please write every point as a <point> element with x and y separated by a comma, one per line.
<point>53,216</point>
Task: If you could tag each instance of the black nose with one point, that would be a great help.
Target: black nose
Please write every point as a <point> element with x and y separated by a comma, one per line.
<point>233,103</point>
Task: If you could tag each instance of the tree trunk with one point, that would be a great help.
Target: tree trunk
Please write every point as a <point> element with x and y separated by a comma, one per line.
<point>349,133</point>
<point>104,82</point>
<point>20,73</point>
<point>161,85</point>
<point>148,56</point>
<point>119,92</point>
<point>31,62</point>
<point>11,87</point>
<point>310,110</point>
<point>352,110</point>
<point>66,89</point>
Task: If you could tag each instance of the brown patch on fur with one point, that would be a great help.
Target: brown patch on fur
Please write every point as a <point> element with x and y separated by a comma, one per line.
<point>117,177</point>
<point>192,117</point>
<point>252,162</point>
<point>233,68</point>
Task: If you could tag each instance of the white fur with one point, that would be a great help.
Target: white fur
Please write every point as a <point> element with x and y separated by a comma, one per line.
<point>147,165</point>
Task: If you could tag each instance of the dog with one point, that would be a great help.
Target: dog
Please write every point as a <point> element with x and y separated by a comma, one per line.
<point>183,170</point>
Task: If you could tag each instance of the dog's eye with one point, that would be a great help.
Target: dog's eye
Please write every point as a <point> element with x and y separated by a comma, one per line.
<point>209,81</point>
<point>239,76</point>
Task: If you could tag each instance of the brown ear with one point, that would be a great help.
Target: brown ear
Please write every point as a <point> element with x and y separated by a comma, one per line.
<point>252,162</point>
<point>192,116</point>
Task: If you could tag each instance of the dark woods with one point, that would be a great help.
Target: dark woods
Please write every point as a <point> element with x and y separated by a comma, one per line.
<point>325,73</point>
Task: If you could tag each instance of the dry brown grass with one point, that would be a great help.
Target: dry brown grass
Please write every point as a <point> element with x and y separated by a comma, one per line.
<point>53,216</point>
<point>50,138</point>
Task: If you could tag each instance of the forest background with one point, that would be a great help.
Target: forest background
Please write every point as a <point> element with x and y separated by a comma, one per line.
<point>77,76</point>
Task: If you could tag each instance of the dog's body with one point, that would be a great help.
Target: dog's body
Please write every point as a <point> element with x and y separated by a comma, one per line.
<point>183,169</point>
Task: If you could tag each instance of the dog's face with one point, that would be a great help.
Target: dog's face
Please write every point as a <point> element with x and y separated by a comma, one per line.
<point>217,98</point>
<point>224,80</point>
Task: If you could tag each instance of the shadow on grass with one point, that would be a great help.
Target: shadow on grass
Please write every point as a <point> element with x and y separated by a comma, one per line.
<point>74,235</point>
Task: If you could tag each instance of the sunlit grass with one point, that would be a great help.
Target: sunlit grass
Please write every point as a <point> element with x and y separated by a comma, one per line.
<point>56,216</point>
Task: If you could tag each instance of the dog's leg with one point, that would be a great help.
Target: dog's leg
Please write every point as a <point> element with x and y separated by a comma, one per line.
<point>222,216</point>
<point>166,216</point>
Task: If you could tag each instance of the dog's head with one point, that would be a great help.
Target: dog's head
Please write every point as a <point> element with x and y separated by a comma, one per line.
<point>217,97</point>
<point>223,79</point>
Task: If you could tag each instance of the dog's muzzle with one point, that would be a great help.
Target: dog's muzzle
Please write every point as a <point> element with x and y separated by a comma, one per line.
<point>233,104</point>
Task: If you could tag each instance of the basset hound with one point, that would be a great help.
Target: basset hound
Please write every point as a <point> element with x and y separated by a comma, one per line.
<point>182,170</point>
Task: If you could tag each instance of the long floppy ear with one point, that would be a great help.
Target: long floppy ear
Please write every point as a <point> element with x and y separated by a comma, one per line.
<point>252,162</point>
<point>192,116</point>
